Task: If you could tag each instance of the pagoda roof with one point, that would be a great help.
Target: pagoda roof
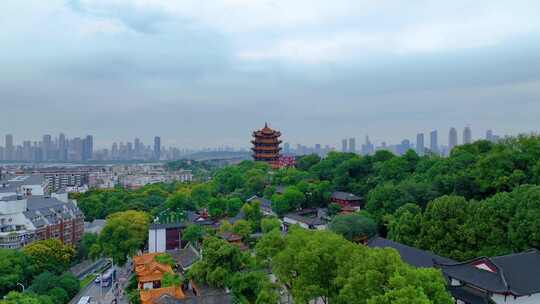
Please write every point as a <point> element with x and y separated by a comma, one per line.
<point>266,131</point>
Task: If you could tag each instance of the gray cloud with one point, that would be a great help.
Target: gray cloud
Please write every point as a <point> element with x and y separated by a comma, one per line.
<point>205,75</point>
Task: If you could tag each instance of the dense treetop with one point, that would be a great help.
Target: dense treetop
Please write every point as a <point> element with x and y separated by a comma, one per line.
<point>402,194</point>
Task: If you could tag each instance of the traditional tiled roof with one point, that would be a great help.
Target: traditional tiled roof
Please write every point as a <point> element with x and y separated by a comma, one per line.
<point>148,269</point>
<point>265,203</point>
<point>205,295</point>
<point>151,296</point>
<point>301,216</point>
<point>229,236</point>
<point>515,273</point>
<point>345,196</point>
<point>186,257</point>
<point>410,255</point>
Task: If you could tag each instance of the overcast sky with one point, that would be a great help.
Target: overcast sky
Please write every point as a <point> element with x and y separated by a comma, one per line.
<point>208,72</point>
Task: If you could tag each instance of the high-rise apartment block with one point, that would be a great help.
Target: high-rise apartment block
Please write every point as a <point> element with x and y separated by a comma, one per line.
<point>420,147</point>
<point>452,138</point>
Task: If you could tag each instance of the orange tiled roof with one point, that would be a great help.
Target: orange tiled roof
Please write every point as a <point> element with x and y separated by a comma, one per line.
<point>144,259</point>
<point>149,296</point>
<point>148,269</point>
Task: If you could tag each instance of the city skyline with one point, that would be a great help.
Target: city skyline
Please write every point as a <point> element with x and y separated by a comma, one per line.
<point>62,148</point>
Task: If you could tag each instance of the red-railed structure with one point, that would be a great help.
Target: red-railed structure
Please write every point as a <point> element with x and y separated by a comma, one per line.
<point>266,145</point>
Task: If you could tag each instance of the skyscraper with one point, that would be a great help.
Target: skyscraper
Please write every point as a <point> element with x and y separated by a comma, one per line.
<point>434,142</point>
<point>489,135</point>
<point>9,150</point>
<point>47,147</point>
<point>62,147</point>
<point>368,148</point>
<point>157,147</point>
<point>420,147</point>
<point>452,138</point>
<point>137,144</point>
<point>352,145</point>
<point>344,145</point>
<point>467,135</point>
<point>88,148</point>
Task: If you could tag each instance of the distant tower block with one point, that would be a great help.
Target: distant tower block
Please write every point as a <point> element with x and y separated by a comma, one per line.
<point>266,145</point>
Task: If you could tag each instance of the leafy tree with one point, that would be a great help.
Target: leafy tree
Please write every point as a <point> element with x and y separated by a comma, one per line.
<point>246,286</point>
<point>165,259</point>
<point>321,264</point>
<point>49,255</point>
<point>180,201</point>
<point>291,199</point>
<point>171,279</point>
<point>255,182</point>
<point>201,194</point>
<point>219,261</point>
<point>83,249</point>
<point>270,224</point>
<point>268,246</point>
<point>59,288</point>
<point>243,228</point>
<point>443,226</point>
<point>13,269</point>
<point>525,224</point>
<point>306,162</point>
<point>58,295</point>
<point>24,298</point>
<point>124,234</point>
<point>217,207</point>
<point>193,234</point>
<point>234,205</point>
<point>405,224</point>
<point>253,214</point>
<point>333,209</point>
<point>268,294</point>
<point>353,226</point>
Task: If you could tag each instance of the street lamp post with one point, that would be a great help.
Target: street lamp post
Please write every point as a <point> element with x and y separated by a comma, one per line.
<point>21,286</point>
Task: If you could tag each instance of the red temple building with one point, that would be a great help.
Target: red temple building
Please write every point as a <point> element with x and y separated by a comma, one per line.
<point>266,145</point>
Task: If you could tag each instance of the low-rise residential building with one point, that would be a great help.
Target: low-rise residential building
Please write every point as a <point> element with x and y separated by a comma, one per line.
<point>29,213</point>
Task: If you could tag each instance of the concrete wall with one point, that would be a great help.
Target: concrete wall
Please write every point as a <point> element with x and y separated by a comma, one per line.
<point>156,240</point>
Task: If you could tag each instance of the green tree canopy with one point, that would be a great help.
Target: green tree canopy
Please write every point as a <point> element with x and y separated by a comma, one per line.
<point>49,255</point>
<point>124,234</point>
<point>353,226</point>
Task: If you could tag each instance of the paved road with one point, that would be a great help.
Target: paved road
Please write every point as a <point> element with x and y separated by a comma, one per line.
<point>108,294</point>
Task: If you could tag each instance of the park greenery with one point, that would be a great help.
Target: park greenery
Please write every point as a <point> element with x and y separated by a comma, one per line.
<point>406,196</point>
<point>483,199</point>
<point>41,268</point>
<point>316,264</point>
